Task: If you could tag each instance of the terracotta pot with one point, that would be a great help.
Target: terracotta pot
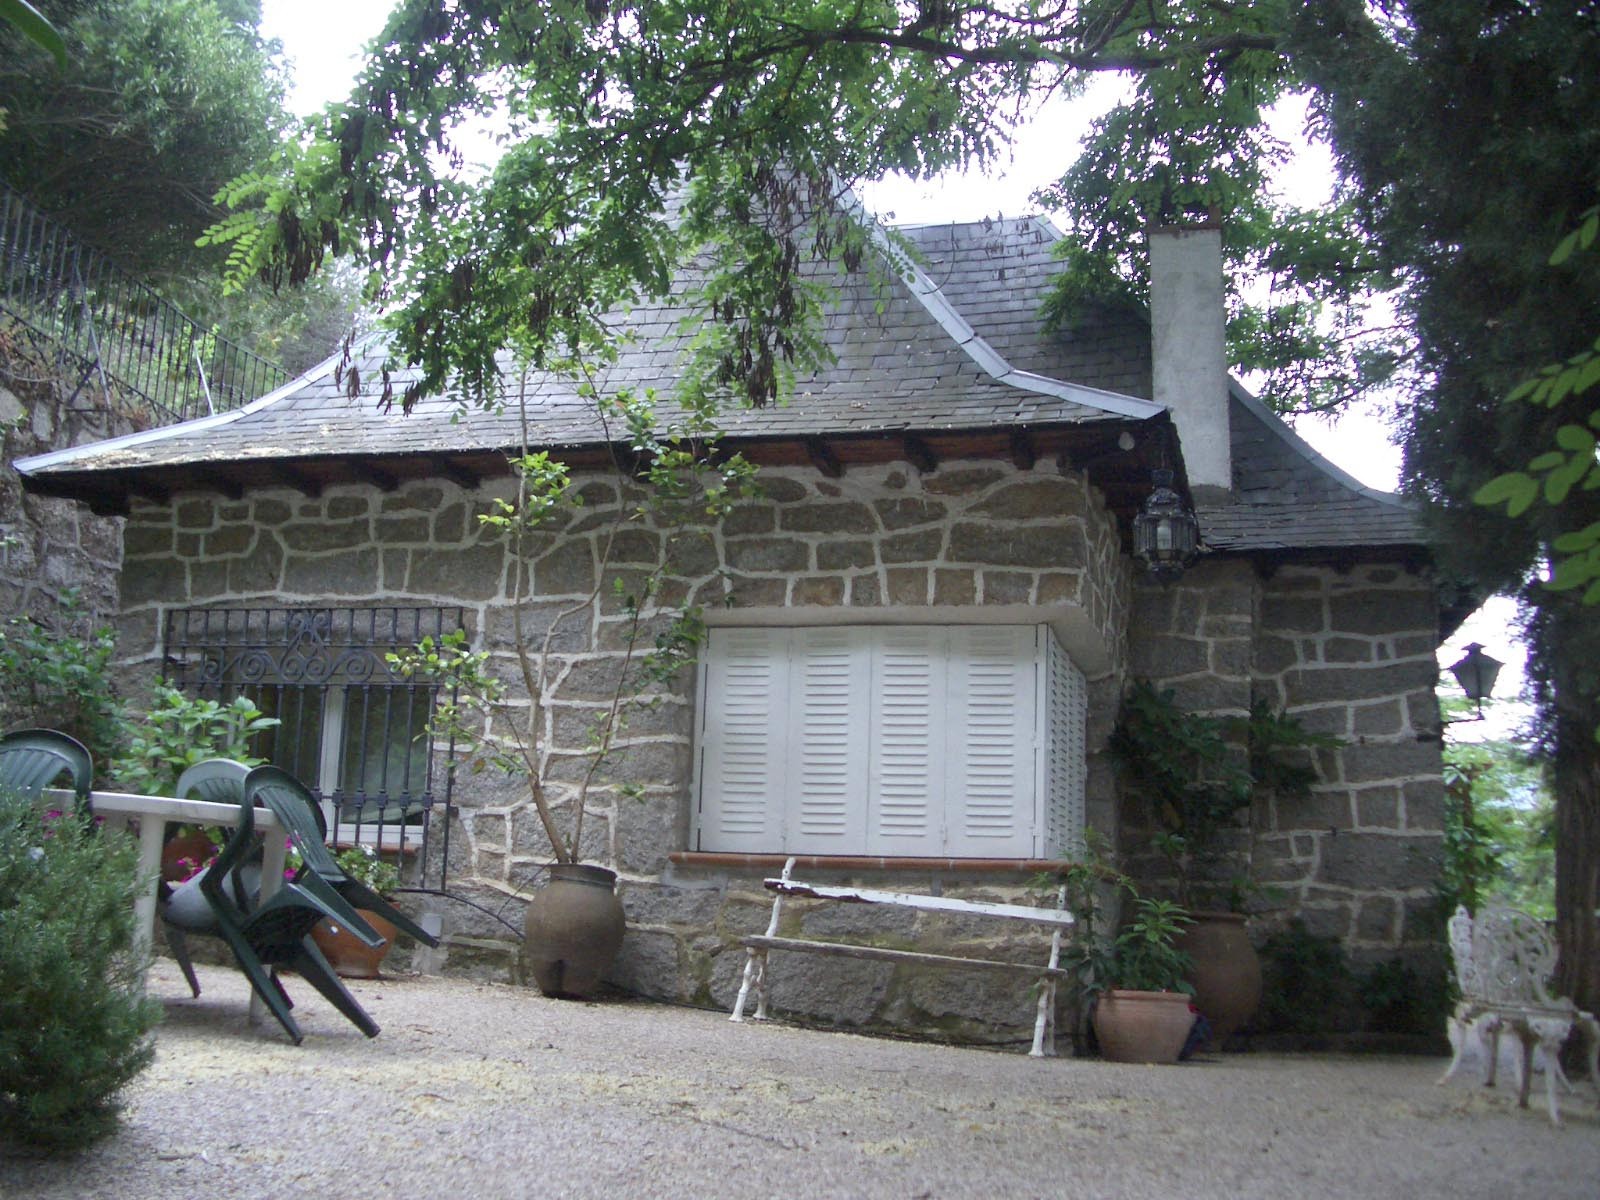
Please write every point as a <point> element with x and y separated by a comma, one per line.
<point>1227,971</point>
<point>195,847</point>
<point>1142,1027</point>
<point>349,955</point>
<point>573,929</point>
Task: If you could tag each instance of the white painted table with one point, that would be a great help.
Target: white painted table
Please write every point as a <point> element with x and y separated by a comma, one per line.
<point>120,809</point>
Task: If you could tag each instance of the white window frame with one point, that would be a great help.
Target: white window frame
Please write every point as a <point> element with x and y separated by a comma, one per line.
<point>846,740</point>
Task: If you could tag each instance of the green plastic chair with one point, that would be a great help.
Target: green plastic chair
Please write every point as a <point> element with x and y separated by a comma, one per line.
<point>184,910</point>
<point>300,814</point>
<point>34,759</point>
<point>276,933</point>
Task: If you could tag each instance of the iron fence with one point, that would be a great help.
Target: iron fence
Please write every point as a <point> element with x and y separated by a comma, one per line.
<point>351,728</point>
<point>140,348</point>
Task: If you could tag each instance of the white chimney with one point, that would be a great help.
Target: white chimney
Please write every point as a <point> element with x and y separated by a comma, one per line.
<point>1187,331</point>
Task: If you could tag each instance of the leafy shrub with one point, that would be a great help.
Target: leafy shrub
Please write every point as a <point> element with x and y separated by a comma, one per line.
<point>1307,986</point>
<point>1398,999</point>
<point>363,865</point>
<point>181,730</point>
<point>58,676</point>
<point>74,1019</point>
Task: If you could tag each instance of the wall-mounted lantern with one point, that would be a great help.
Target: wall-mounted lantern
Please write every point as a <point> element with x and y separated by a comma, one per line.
<point>1476,674</point>
<point>1166,535</point>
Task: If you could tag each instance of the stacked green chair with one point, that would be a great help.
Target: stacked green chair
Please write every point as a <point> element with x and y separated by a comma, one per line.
<point>184,910</point>
<point>34,759</point>
<point>301,816</point>
<point>276,932</point>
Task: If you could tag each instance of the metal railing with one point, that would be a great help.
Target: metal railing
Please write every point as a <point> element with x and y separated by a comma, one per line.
<point>140,349</point>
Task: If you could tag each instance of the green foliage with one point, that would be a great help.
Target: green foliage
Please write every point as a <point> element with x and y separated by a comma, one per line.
<point>74,1019</point>
<point>1307,986</point>
<point>181,730</point>
<point>1142,955</point>
<point>363,864</point>
<point>1399,999</point>
<point>1499,829</point>
<point>58,675</point>
<point>1199,772</point>
<point>33,26</point>
<point>1552,476</point>
<point>166,100</point>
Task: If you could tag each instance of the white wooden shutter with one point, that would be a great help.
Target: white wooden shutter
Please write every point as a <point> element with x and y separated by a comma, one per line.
<point>744,741</point>
<point>1066,714</point>
<point>906,795</point>
<point>992,765</point>
<point>826,793</point>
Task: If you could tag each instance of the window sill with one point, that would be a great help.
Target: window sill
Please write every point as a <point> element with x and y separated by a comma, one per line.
<point>847,862</point>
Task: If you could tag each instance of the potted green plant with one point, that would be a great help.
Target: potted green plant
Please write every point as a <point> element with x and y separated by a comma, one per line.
<point>1198,774</point>
<point>348,954</point>
<point>1131,985</point>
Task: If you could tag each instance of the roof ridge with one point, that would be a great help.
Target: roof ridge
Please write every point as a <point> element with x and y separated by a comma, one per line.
<point>994,364</point>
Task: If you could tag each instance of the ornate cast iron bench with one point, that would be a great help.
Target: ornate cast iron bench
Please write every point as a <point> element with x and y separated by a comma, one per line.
<point>1048,973</point>
<point>1503,959</point>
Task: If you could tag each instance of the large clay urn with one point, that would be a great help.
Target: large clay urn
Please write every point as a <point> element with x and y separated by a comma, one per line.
<point>573,929</point>
<point>1227,971</point>
<point>1142,1027</point>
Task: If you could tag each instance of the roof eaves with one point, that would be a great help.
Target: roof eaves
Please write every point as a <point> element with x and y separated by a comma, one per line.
<point>62,458</point>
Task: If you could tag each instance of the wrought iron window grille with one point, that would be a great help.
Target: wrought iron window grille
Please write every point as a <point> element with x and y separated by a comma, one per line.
<point>351,728</point>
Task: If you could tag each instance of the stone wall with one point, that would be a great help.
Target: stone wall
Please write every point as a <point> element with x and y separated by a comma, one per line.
<point>965,543</point>
<point>50,546</point>
<point>1348,653</point>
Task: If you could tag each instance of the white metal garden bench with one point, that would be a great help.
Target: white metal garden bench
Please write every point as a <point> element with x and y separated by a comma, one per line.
<point>1503,960</point>
<point>1048,973</point>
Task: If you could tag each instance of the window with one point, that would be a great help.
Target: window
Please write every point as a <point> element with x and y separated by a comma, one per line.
<point>351,731</point>
<point>947,741</point>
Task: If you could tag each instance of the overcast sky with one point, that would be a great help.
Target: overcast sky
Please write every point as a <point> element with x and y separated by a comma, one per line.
<point>323,42</point>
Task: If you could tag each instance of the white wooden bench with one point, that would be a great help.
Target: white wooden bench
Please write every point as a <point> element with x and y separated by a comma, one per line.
<point>1503,960</point>
<point>1047,973</point>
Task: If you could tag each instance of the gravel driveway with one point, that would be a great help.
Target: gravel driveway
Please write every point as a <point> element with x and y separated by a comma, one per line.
<point>484,1091</point>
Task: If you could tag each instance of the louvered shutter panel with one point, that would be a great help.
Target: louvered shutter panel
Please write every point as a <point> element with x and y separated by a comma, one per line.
<point>992,765</point>
<point>907,715</point>
<point>744,742</point>
<point>1066,767</point>
<point>826,807</point>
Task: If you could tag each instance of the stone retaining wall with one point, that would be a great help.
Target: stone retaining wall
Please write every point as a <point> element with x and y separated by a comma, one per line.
<point>50,546</point>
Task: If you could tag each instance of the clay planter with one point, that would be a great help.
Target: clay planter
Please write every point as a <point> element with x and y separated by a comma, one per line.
<point>348,954</point>
<point>573,929</point>
<point>183,855</point>
<point>1226,973</point>
<point>1142,1027</point>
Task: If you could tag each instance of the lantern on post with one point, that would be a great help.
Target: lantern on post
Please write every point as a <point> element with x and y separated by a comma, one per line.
<point>1166,535</point>
<point>1476,674</point>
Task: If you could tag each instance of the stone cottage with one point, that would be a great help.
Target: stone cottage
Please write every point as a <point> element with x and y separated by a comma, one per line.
<point>916,642</point>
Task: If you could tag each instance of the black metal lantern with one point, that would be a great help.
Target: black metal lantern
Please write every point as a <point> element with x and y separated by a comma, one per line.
<point>1476,674</point>
<point>1166,536</point>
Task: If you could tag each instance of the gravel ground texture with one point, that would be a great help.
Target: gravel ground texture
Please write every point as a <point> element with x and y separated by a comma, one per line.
<point>486,1091</point>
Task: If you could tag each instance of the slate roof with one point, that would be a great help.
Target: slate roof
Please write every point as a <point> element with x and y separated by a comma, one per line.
<point>954,344</point>
<point>1288,497</point>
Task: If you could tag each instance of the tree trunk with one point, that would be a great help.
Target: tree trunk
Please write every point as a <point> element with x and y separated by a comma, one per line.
<point>1572,711</point>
